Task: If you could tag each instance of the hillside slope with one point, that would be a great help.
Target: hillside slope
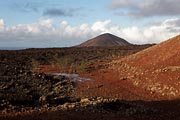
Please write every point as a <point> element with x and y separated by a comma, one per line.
<point>156,69</point>
<point>151,74</point>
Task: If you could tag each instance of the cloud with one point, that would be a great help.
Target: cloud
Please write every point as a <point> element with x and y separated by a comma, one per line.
<point>45,33</point>
<point>26,6</point>
<point>154,33</point>
<point>2,25</point>
<point>60,12</point>
<point>147,8</point>
<point>116,4</point>
<point>101,25</point>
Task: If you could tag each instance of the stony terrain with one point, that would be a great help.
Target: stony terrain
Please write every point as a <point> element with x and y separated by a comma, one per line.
<point>122,85</point>
<point>152,74</point>
<point>28,85</point>
<point>155,70</point>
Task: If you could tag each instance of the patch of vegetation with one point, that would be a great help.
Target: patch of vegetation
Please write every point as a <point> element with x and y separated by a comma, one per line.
<point>79,67</point>
<point>35,63</point>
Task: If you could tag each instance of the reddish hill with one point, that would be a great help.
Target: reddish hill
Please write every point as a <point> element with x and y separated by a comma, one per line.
<point>105,40</point>
<point>152,74</point>
<point>161,55</point>
<point>156,69</point>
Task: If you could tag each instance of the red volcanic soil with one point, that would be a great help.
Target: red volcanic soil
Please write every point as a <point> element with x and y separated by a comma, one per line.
<point>156,69</point>
<point>161,55</point>
<point>105,40</point>
<point>152,74</point>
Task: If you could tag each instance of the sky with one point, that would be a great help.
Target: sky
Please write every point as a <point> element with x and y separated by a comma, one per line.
<point>64,23</point>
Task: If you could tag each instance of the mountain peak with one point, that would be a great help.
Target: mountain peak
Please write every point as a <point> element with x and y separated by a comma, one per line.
<point>105,40</point>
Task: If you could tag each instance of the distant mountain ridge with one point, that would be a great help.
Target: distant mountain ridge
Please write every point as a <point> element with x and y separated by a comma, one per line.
<point>105,40</point>
<point>12,48</point>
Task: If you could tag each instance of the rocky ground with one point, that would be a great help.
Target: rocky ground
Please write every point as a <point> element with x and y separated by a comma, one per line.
<point>29,90</point>
<point>103,109</point>
<point>33,91</point>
